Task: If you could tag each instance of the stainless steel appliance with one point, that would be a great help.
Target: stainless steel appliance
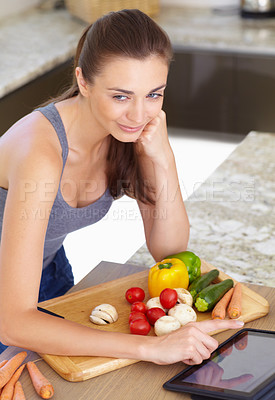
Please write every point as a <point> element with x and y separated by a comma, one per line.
<point>258,8</point>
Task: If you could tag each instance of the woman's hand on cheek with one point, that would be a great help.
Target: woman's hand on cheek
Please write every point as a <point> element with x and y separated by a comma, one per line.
<point>153,141</point>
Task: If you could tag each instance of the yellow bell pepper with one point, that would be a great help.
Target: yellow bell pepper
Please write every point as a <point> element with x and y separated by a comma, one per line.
<point>168,273</point>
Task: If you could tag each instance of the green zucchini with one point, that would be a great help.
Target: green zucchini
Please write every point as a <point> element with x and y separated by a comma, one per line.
<point>210,295</point>
<point>201,282</point>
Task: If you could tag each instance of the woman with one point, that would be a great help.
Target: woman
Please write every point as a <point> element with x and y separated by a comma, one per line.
<point>61,167</point>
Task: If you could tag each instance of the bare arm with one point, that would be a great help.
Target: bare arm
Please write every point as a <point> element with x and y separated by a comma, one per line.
<point>166,224</point>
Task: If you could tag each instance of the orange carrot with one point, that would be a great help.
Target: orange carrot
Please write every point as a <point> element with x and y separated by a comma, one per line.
<point>2,363</point>
<point>219,311</point>
<point>41,384</point>
<point>10,367</point>
<point>8,389</point>
<point>235,306</point>
<point>18,392</point>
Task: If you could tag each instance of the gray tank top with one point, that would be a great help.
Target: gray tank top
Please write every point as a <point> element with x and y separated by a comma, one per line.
<point>63,218</point>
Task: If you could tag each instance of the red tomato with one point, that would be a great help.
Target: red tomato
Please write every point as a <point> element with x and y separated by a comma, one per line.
<point>134,294</point>
<point>241,342</point>
<point>153,314</point>
<point>139,306</point>
<point>168,298</point>
<point>136,315</point>
<point>140,327</point>
<point>226,350</point>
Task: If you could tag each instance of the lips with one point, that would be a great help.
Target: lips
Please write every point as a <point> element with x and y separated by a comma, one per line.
<point>130,128</point>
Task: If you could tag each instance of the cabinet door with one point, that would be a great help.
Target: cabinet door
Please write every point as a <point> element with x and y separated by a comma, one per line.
<point>23,100</point>
<point>255,93</point>
<point>200,91</point>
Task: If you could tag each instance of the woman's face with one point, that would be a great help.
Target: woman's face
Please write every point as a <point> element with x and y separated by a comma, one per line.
<point>126,95</point>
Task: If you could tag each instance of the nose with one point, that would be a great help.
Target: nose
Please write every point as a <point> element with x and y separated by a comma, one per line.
<point>136,111</point>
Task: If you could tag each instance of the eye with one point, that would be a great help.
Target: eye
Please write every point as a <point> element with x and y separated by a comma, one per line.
<point>154,95</point>
<point>120,97</point>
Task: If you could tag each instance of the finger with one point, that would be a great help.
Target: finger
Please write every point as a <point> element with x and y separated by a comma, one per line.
<point>162,115</point>
<point>198,351</point>
<point>202,375</point>
<point>198,337</point>
<point>217,377</point>
<point>216,324</point>
<point>208,341</point>
<point>230,383</point>
<point>192,361</point>
<point>193,358</point>
<point>212,376</point>
<point>203,347</point>
<point>155,121</point>
<point>187,361</point>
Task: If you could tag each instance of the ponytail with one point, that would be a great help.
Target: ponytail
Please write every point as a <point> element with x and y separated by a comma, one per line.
<point>73,89</point>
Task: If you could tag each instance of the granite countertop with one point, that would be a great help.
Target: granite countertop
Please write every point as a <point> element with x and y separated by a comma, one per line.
<point>232,214</point>
<point>218,30</point>
<point>34,42</point>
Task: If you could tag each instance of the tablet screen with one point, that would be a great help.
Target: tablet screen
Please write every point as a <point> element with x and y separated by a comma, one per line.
<point>242,366</point>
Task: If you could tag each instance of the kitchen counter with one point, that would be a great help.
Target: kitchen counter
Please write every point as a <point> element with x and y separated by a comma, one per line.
<point>232,214</point>
<point>135,381</point>
<point>36,41</point>
<point>33,43</point>
<point>219,30</point>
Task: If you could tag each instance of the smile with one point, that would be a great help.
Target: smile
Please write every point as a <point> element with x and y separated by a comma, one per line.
<point>129,128</point>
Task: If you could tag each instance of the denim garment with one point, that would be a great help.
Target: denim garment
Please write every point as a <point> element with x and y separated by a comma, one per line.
<point>57,278</point>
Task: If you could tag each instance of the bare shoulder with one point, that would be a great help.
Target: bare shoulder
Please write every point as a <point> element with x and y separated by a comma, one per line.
<point>30,147</point>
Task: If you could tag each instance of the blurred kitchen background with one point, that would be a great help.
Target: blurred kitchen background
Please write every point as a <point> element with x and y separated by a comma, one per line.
<point>221,86</point>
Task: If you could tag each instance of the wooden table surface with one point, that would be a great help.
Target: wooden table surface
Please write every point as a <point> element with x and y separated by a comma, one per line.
<point>140,381</point>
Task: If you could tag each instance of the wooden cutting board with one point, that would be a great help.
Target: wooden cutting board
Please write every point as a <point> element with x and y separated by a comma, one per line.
<point>77,307</point>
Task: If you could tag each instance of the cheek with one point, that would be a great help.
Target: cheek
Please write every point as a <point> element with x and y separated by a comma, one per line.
<point>108,110</point>
<point>154,108</point>
<point>114,109</point>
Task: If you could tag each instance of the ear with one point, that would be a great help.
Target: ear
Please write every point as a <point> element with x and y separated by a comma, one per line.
<point>82,84</point>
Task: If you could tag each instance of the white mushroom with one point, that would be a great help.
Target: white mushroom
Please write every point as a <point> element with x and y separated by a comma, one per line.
<point>165,325</point>
<point>183,313</point>
<point>104,314</point>
<point>154,302</point>
<point>184,296</point>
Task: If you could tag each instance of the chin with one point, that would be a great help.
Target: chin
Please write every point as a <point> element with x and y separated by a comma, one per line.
<point>126,137</point>
<point>125,140</point>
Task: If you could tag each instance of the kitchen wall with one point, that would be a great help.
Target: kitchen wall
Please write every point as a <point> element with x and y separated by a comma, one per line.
<point>200,3</point>
<point>8,8</point>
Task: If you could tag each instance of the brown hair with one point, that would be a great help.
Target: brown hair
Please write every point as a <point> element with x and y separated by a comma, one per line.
<point>125,33</point>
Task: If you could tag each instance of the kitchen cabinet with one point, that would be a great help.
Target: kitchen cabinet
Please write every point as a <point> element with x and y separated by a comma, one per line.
<point>255,94</point>
<point>22,101</point>
<point>200,92</point>
<point>221,92</point>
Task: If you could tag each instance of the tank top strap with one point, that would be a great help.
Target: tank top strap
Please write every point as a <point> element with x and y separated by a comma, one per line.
<point>52,114</point>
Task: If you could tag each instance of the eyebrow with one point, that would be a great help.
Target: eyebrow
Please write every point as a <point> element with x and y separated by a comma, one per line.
<point>130,92</point>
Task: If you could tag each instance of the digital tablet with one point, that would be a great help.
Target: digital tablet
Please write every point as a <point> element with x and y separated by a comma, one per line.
<point>243,367</point>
